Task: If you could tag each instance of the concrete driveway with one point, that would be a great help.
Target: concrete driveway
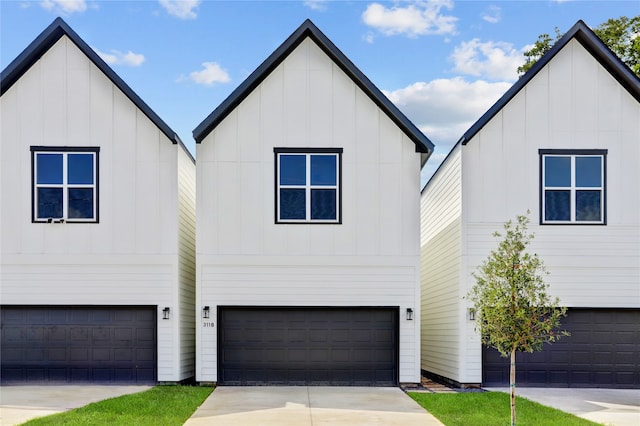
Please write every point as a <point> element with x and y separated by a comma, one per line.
<point>21,403</point>
<point>618,407</point>
<point>313,405</point>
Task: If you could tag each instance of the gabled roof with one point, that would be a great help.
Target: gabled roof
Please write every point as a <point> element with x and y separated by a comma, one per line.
<point>592,43</point>
<point>50,36</point>
<point>308,29</point>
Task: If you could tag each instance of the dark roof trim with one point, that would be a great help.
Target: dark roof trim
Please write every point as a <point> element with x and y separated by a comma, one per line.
<point>308,29</point>
<point>592,43</point>
<point>50,36</point>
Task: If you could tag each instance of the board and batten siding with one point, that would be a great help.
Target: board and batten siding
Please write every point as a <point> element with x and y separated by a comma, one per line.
<point>371,259</point>
<point>572,103</point>
<point>441,254</point>
<point>131,256</point>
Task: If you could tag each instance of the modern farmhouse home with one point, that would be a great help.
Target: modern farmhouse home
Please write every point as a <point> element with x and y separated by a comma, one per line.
<point>97,221</point>
<point>308,204</point>
<point>564,144</point>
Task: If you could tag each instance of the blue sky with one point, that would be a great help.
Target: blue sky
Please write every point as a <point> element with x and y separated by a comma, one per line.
<point>442,62</point>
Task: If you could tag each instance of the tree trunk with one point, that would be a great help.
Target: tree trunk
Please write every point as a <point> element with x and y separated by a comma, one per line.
<point>512,386</point>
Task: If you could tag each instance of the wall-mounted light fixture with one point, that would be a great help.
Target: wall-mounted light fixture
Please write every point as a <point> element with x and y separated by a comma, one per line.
<point>206,312</point>
<point>471,314</point>
<point>166,313</point>
<point>409,314</point>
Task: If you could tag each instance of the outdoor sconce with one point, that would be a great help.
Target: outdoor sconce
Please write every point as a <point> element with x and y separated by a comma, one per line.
<point>409,314</point>
<point>165,313</point>
<point>206,311</point>
<point>471,313</point>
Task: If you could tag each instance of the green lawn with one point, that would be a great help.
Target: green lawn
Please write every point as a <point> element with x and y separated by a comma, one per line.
<point>492,409</point>
<point>161,405</point>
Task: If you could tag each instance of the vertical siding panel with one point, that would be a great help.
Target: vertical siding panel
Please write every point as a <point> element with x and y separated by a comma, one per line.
<point>125,176</point>
<point>78,95</point>
<point>53,99</point>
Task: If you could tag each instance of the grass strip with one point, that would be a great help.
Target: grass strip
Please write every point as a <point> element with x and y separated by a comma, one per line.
<point>492,409</point>
<point>160,405</point>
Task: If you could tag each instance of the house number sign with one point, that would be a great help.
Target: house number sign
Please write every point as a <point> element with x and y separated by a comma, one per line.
<point>207,324</point>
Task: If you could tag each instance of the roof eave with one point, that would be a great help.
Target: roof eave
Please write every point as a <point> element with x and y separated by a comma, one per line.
<point>308,29</point>
<point>596,47</point>
<point>50,36</point>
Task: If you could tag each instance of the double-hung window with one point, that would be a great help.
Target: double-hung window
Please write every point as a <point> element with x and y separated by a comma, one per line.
<point>65,184</point>
<point>308,185</point>
<point>573,186</point>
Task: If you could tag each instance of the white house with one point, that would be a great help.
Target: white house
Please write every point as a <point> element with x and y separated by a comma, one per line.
<point>97,222</point>
<point>563,143</point>
<point>308,267</point>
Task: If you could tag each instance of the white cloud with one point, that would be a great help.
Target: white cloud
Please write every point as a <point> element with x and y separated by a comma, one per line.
<point>493,60</point>
<point>493,14</point>
<point>183,9</point>
<point>64,6</point>
<point>115,57</point>
<point>316,4</point>
<point>368,37</point>
<point>211,74</point>
<point>444,109</point>
<point>417,18</point>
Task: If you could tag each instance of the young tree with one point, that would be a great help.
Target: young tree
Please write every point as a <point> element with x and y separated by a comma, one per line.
<point>514,312</point>
<point>620,35</point>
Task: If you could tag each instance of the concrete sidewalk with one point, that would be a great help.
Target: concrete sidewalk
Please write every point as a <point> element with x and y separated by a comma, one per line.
<point>618,407</point>
<point>313,405</point>
<point>19,404</point>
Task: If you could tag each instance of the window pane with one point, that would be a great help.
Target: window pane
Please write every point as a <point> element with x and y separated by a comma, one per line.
<point>557,205</point>
<point>589,171</point>
<point>588,206</point>
<point>292,204</point>
<point>323,204</point>
<point>80,169</point>
<point>80,203</point>
<point>323,170</point>
<point>49,203</point>
<point>49,168</point>
<point>557,171</point>
<point>293,170</point>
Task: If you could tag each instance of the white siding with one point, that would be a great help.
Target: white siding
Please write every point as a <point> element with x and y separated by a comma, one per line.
<point>441,249</point>
<point>371,259</point>
<point>573,103</point>
<point>131,256</point>
<point>186,262</point>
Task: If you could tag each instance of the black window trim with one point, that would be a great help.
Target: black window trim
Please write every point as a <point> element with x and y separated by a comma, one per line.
<point>65,149</point>
<point>276,197</point>
<point>573,152</point>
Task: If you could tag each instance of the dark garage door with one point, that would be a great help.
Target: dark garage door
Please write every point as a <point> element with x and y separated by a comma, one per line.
<point>602,351</point>
<point>308,346</point>
<point>71,344</point>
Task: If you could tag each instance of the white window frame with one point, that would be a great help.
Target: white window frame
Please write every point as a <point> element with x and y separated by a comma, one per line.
<point>573,188</point>
<point>65,152</point>
<point>308,187</point>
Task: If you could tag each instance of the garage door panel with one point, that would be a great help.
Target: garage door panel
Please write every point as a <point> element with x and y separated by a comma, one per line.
<point>307,346</point>
<point>78,344</point>
<point>602,351</point>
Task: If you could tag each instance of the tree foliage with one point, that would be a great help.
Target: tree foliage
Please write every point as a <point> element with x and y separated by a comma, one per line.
<point>514,311</point>
<point>621,35</point>
<point>543,44</point>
